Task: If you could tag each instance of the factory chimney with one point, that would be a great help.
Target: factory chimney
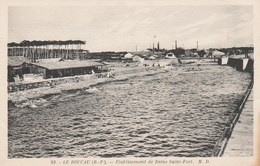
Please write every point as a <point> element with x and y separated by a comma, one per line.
<point>176,45</point>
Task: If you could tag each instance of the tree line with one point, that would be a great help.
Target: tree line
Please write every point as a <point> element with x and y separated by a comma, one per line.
<point>45,49</point>
<point>26,43</point>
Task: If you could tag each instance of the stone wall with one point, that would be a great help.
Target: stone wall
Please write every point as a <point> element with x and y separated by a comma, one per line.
<point>240,64</point>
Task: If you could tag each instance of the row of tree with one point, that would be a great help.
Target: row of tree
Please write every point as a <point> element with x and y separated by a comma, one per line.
<point>46,49</point>
<point>27,43</point>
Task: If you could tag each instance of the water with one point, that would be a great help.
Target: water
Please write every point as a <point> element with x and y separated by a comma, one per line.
<point>166,114</point>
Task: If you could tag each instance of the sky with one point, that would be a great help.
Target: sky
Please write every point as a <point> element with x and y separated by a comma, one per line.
<point>123,28</point>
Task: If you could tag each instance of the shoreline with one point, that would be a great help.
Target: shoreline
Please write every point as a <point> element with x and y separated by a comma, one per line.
<point>85,82</point>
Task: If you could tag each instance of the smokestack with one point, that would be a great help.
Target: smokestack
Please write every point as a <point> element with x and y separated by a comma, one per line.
<point>158,45</point>
<point>197,46</point>
<point>176,44</point>
<point>153,46</point>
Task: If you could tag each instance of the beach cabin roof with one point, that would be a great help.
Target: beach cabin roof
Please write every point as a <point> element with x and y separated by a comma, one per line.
<point>152,57</point>
<point>17,60</point>
<point>217,53</point>
<point>51,60</point>
<point>69,64</point>
<point>170,56</point>
<point>136,58</point>
<point>129,56</point>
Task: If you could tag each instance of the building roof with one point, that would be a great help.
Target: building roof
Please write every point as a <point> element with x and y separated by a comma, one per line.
<point>129,55</point>
<point>217,53</point>
<point>50,60</point>
<point>17,60</point>
<point>68,64</point>
<point>152,57</point>
<point>170,55</point>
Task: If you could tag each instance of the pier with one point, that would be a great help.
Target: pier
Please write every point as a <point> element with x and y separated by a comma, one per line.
<point>238,130</point>
<point>241,141</point>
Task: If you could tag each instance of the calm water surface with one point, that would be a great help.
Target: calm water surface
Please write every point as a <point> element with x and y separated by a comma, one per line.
<point>166,114</point>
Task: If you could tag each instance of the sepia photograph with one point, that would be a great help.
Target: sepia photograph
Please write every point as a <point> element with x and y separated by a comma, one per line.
<point>138,81</point>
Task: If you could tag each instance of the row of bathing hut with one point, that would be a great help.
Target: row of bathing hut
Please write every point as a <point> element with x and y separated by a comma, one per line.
<point>52,68</point>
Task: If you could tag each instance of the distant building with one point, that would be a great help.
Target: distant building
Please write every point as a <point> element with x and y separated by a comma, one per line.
<point>170,56</point>
<point>188,53</point>
<point>137,58</point>
<point>128,56</point>
<point>202,53</point>
<point>143,54</point>
<point>217,54</point>
<point>152,57</point>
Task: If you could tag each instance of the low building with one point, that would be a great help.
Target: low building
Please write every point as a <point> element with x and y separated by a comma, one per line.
<point>54,68</point>
<point>152,57</point>
<point>129,56</point>
<point>170,56</point>
<point>136,58</point>
<point>218,54</point>
<point>17,65</point>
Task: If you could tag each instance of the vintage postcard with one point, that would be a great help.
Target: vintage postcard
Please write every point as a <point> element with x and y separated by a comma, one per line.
<point>129,83</point>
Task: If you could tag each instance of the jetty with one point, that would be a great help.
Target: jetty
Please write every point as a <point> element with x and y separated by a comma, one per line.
<point>241,141</point>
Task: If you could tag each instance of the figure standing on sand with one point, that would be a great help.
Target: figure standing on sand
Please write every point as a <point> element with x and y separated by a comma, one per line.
<point>199,64</point>
<point>93,72</point>
<point>21,77</point>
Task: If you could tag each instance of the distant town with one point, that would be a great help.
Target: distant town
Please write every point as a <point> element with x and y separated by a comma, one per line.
<point>39,57</point>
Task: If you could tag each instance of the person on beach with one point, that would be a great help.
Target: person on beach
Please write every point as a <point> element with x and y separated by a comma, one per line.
<point>60,74</point>
<point>21,76</point>
<point>92,71</point>
<point>199,64</point>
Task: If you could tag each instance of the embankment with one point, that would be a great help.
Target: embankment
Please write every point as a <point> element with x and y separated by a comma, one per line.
<point>220,146</point>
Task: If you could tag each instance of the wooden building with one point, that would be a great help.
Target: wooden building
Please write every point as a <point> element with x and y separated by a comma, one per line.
<point>17,65</point>
<point>54,68</point>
